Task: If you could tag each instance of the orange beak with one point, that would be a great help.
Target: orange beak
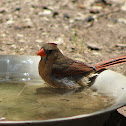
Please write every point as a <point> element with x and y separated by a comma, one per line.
<point>42,53</point>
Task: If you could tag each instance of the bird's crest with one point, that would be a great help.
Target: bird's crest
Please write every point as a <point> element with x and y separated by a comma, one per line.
<point>53,43</point>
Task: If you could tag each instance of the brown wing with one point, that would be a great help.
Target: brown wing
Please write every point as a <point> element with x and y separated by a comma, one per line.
<point>70,68</point>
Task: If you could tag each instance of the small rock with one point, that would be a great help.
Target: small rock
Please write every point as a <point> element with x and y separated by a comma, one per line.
<point>89,19</point>
<point>120,45</point>
<point>80,17</point>
<point>39,41</point>
<point>26,26</point>
<point>96,53</point>
<point>93,46</point>
<point>3,35</point>
<point>20,35</point>
<point>45,7</point>
<point>55,13</point>
<point>10,22</point>
<point>96,8</point>
<point>27,20</point>
<point>74,1</point>
<point>1,49</point>
<point>40,13</point>
<point>66,27</point>
<point>122,20</point>
<point>13,46</point>
<point>40,28</point>
<point>81,6</point>
<point>44,33</point>
<point>18,9</point>
<point>93,11</point>
<point>66,15</point>
<point>46,12</point>
<point>2,10</point>
<point>71,21</point>
<point>21,41</point>
<point>45,19</point>
<point>38,46</point>
<point>103,3</point>
<point>21,49</point>
<point>88,3</point>
<point>123,8</point>
<point>28,23</point>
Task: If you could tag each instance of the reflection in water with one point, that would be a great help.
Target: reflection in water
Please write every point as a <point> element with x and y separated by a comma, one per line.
<point>19,101</point>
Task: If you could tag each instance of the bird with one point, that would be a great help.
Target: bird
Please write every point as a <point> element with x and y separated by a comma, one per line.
<point>60,71</point>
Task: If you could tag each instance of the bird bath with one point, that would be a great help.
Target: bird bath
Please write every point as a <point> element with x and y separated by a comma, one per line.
<point>26,100</point>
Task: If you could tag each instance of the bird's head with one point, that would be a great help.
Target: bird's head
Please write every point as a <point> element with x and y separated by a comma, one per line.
<point>49,50</point>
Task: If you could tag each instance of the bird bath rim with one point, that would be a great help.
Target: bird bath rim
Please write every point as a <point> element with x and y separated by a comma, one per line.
<point>33,60</point>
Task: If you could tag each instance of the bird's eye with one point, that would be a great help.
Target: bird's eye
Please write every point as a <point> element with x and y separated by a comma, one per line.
<point>49,51</point>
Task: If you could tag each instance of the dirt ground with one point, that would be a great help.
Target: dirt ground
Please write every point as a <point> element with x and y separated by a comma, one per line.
<point>86,30</point>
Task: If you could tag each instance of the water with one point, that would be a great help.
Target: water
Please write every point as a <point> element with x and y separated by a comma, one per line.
<point>37,102</point>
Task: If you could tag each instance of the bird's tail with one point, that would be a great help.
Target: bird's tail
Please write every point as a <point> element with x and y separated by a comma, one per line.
<point>110,62</point>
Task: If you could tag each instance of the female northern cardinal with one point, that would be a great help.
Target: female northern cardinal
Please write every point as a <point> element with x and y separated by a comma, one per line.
<point>62,72</point>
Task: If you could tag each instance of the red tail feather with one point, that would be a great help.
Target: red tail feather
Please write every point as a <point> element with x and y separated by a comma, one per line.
<point>110,62</point>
